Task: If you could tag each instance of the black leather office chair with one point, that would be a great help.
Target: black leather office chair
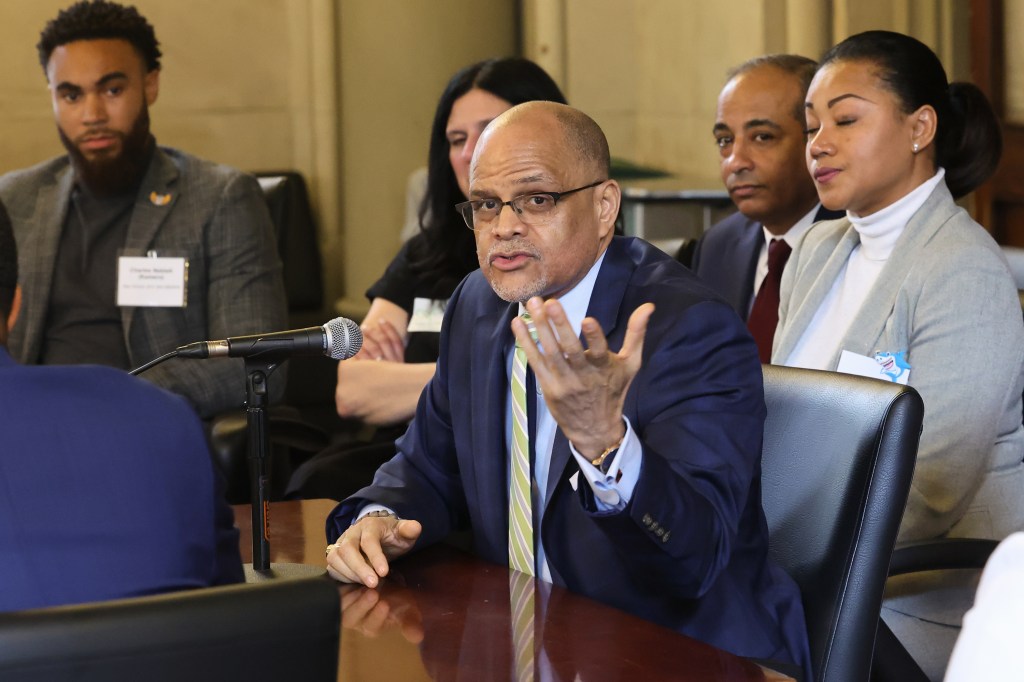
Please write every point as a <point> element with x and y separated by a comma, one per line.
<point>892,662</point>
<point>1015,261</point>
<point>839,455</point>
<point>684,254</point>
<point>297,243</point>
<point>310,384</point>
<point>299,426</point>
<point>279,630</point>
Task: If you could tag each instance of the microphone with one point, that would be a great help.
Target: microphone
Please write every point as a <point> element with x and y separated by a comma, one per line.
<point>339,339</point>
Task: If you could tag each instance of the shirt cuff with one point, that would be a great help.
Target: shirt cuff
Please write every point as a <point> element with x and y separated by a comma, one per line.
<point>614,489</point>
<point>371,508</point>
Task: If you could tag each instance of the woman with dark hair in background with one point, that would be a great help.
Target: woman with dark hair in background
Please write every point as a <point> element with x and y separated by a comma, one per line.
<point>381,385</point>
<point>909,288</point>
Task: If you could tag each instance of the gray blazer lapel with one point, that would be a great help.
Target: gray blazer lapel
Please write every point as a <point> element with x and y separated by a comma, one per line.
<point>153,203</point>
<point>867,326</point>
<point>157,196</point>
<point>827,258</point>
<point>38,257</point>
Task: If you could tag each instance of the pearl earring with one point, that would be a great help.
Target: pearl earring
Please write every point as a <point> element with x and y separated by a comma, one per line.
<point>916,148</point>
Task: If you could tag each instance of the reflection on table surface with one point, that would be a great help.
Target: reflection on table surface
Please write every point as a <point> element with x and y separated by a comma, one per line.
<point>445,615</point>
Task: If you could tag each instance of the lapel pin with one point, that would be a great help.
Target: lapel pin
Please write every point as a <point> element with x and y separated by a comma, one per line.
<point>159,199</point>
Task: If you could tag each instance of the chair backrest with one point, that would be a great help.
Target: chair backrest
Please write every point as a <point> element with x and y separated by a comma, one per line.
<point>278,630</point>
<point>1015,260</point>
<point>839,453</point>
<point>292,215</point>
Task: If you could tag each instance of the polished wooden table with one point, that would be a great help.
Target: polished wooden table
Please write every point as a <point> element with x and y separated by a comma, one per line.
<point>444,615</point>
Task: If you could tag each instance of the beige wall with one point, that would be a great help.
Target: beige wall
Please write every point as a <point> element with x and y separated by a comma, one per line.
<point>342,91</point>
<point>222,92</point>
<point>396,58</point>
<point>650,71</point>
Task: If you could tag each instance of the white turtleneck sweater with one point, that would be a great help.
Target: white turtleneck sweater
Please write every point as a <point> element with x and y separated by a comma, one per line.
<point>878,234</point>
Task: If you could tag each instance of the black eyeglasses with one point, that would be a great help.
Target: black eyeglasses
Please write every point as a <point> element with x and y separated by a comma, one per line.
<point>533,208</point>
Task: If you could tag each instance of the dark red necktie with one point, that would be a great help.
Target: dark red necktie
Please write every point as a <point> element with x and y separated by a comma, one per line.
<point>764,315</point>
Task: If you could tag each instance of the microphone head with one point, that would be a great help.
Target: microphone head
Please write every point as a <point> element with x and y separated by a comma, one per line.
<point>344,338</point>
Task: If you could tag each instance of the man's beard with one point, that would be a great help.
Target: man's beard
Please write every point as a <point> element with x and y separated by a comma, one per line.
<point>113,175</point>
<point>525,290</point>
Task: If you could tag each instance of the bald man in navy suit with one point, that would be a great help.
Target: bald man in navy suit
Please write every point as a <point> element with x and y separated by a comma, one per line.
<point>643,416</point>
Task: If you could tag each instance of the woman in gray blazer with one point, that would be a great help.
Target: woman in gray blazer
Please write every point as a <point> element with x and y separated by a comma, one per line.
<point>909,288</point>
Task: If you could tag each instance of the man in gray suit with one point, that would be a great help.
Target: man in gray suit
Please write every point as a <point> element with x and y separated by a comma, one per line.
<point>129,250</point>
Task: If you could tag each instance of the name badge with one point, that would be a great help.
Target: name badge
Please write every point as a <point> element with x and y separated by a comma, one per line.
<point>892,367</point>
<point>153,282</point>
<point>427,315</point>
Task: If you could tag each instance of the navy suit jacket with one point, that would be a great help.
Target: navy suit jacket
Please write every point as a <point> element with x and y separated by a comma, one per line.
<point>107,490</point>
<point>726,257</point>
<point>690,549</point>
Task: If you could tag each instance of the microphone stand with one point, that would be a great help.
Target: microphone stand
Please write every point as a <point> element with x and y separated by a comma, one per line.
<point>257,391</point>
<point>258,369</point>
<point>258,446</point>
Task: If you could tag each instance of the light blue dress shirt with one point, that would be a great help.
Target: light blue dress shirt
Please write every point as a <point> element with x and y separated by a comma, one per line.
<point>611,491</point>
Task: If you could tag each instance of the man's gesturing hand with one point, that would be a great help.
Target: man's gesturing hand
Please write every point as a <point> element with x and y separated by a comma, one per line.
<point>584,389</point>
<point>362,553</point>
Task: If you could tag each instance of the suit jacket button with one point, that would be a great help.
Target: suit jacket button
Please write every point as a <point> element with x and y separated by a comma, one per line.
<point>647,520</point>
<point>664,538</point>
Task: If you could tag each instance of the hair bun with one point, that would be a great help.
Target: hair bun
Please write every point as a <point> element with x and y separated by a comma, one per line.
<point>973,143</point>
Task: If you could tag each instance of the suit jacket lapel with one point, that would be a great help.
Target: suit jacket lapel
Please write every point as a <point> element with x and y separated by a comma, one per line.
<point>747,252</point>
<point>39,252</point>
<point>610,286</point>
<point>867,326</point>
<point>491,336</point>
<point>828,260</point>
<point>153,204</point>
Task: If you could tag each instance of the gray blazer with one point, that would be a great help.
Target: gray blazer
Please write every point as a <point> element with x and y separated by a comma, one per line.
<point>947,298</point>
<point>216,216</point>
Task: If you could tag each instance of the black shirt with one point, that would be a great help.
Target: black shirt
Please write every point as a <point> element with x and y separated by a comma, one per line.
<point>401,285</point>
<point>83,322</point>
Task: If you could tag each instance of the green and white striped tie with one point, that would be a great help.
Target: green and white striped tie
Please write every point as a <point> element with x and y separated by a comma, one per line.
<point>520,498</point>
<point>523,600</point>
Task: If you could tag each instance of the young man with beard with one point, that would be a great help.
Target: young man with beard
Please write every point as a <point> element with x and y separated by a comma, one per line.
<point>80,219</point>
